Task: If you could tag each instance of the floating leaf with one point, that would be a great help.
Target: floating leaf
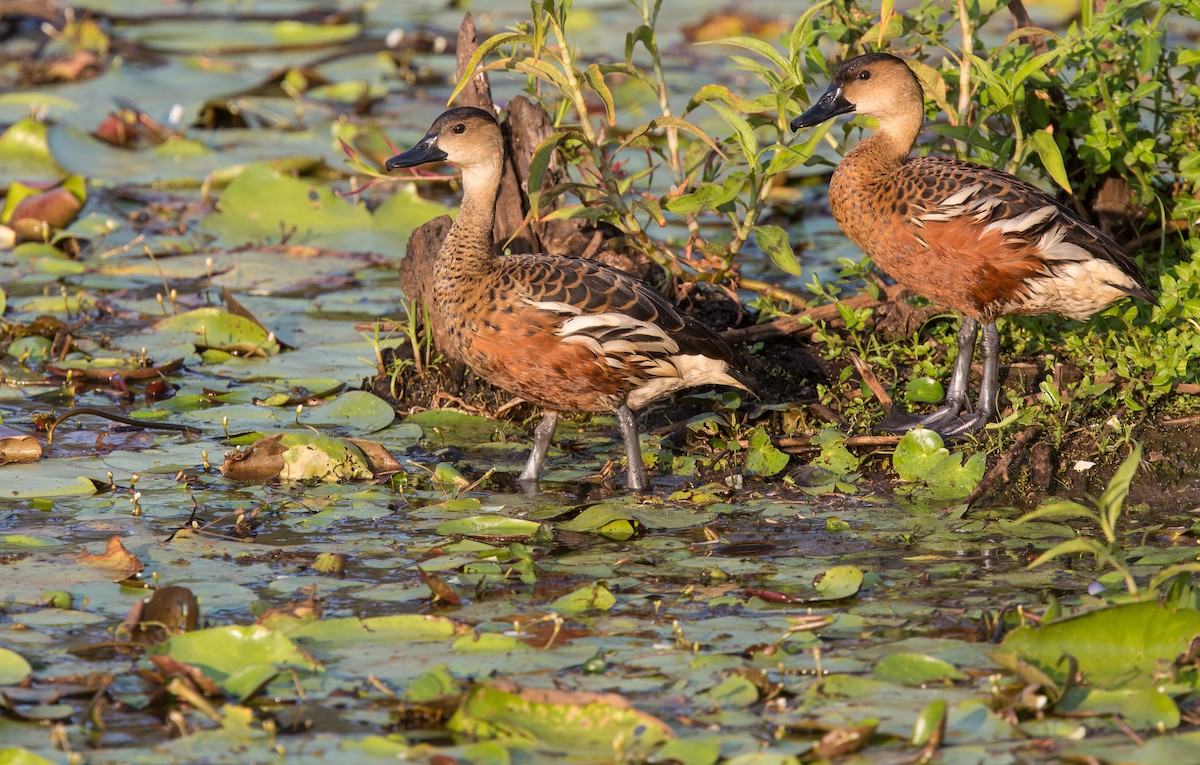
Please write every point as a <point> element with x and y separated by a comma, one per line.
<point>220,330</point>
<point>356,412</point>
<point>1140,708</point>
<point>921,457</point>
<point>297,456</point>
<point>19,756</point>
<point>916,669</point>
<point>595,597</point>
<point>839,582</point>
<point>13,667</point>
<point>1116,647</point>
<point>115,558</point>
<point>580,722</point>
<point>490,526</point>
<point>834,456</point>
<point>924,390</point>
<point>25,152</point>
<point>762,458</point>
<point>239,659</point>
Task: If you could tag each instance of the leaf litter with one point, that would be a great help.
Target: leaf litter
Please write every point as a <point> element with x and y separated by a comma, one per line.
<point>422,610</point>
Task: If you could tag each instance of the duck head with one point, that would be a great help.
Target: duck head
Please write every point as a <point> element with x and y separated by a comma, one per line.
<point>878,85</point>
<point>465,137</point>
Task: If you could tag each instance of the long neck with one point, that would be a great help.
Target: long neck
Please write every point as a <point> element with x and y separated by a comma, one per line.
<point>470,240</point>
<point>897,131</point>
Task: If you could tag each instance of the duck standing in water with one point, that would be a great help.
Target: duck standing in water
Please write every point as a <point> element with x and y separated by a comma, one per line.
<point>959,234</point>
<point>566,334</point>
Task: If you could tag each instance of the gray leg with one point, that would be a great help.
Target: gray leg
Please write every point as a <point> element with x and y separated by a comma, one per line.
<point>956,393</point>
<point>633,450</point>
<point>989,389</point>
<point>541,444</point>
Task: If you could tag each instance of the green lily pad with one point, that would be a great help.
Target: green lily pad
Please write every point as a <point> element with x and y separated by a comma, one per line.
<point>31,350</point>
<point>581,722</point>
<point>924,390</point>
<point>220,330</point>
<point>916,669</point>
<point>1140,708</point>
<point>734,692</point>
<point>19,756</point>
<point>1116,647</point>
<point>762,458</point>
<point>595,597</point>
<point>437,683</point>
<point>13,667</point>
<point>490,526</point>
<point>25,152</point>
<point>451,426</point>
<point>262,205</point>
<point>839,582</point>
<point>598,516</point>
<point>406,628</point>
<point>355,412</point>
<point>43,480</point>
<point>239,659</point>
<point>921,458</point>
<point>834,456</point>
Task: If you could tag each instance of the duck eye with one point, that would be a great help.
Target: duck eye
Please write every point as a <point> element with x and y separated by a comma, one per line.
<point>459,128</point>
<point>864,75</point>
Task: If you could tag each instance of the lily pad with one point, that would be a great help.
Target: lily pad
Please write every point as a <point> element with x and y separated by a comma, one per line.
<point>43,480</point>
<point>13,667</point>
<point>762,458</point>
<point>19,756</point>
<point>452,426</point>
<point>921,458</point>
<point>355,412</point>
<point>839,582</point>
<point>595,597</point>
<point>219,330</point>
<point>916,669</point>
<point>490,526</point>
<point>1116,647</point>
<point>25,152</point>
<point>582,722</point>
<point>239,659</point>
<point>301,456</point>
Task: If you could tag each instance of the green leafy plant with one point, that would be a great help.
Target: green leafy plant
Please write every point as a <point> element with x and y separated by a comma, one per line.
<point>666,169</point>
<point>1105,512</point>
<point>922,459</point>
<point>1102,108</point>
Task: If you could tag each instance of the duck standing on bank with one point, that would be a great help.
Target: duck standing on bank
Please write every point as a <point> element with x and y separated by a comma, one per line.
<point>959,234</point>
<point>566,334</point>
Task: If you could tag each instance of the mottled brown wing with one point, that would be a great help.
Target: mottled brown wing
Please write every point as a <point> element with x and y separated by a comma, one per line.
<point>593,288</point>
<point>945,189</point>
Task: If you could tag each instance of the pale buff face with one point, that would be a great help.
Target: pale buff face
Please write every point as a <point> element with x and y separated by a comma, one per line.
<point>468,139</point>
<point>884,88</point>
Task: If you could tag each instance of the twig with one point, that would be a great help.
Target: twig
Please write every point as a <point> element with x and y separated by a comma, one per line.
<point>792,325</point>
<point>115,418</point>
<point>1012,456</point>
<point>772,291</point>
<point>872,382</point>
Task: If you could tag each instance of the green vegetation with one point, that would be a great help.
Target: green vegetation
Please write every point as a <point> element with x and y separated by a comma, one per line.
<point>308,573</point>
<point>1105,110</point>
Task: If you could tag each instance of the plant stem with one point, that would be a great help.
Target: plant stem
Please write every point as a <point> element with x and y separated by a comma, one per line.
<point>774,292</point>
<point>964,71</point>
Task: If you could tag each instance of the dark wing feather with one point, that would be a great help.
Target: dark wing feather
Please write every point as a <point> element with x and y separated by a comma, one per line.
<point>595,288</point>
<point>996,196</point>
